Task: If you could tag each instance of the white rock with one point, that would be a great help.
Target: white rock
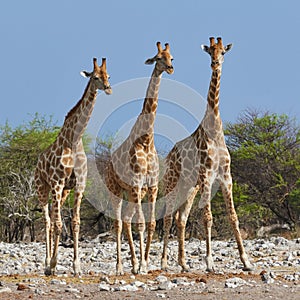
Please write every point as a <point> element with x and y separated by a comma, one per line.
<point>161,278</point>
<point>56,282</point>
<point>234,282</point>
<point>161,295</point>
<point>71,290</point>
<point>104,287</point>
<point>5,290</point>
<point>139,283</point>
<point>166,285</point>
<point>129,288</point>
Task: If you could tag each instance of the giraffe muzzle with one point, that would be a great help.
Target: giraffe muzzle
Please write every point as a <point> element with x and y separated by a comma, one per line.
<point>108,90</point>
<point>170,69</point>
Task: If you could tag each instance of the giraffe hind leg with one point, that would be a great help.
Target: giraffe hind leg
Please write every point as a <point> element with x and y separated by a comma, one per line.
<point>233,218</point>
<point>75,228</point>
<point>181,220</point>
<point>116,202</point>
<point>48,234</point>
<point>43,194</point>
<point>129,213</point>
<point>170,199</point>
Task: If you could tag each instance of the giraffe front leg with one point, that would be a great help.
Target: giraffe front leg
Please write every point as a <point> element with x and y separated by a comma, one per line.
<point>76,227</point>
<point>152,194</point>
<point>143,269</point>
<point>56,224</point>
<point>233,219</point>
<point>166,231</point>
<point>207,221</point>
<point>181,221</point>
<point>43,193</point>
<point>170,200</point>
<point>48,239</point>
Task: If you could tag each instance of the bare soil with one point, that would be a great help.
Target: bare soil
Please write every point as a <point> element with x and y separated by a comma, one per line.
<point>206,286</point>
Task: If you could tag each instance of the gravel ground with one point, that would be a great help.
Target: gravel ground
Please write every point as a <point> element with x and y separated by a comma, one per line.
<point>276,272</point>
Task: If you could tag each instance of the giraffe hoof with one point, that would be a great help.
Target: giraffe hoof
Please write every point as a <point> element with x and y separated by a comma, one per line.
<point>185,270</point>
<point>134,271</point>
<point>119,273</point>
<point>48,272</point>
<point>119,269</point>
<point>210,270</point>
<point>248,269</point>
<point>143,271</point>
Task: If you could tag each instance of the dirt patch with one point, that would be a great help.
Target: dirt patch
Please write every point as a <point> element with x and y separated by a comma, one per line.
<point>197,286</point>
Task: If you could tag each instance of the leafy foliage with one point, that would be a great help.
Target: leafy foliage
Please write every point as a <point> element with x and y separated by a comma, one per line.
<point>19,149</point>
<point>266,160</point>
<point>265,167</point>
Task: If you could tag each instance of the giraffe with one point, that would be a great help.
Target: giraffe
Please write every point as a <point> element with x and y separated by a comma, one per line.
<point>194,164</point>
<point>63,166</point>
<point>134,169</point>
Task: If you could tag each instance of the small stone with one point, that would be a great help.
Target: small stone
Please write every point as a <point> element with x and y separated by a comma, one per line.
<point>57,282</point>
<point>234,282</point>
<point>38,292</point>
<point>181,281</point>
<point>139,283</point>
<point>161,295</point>
<point>166,285</point>
<point>104,279</point>
<point>161,278</point>
<point>104,287</point>
<point>128,288</point>
<point>5,290</point>
<point>267,278</point>
<point>202,279</point>
<point>22,287</point>
<point>71,290</point>
<point>122,281</point>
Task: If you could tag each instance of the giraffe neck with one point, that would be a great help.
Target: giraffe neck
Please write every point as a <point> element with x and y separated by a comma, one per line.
<point>77,119</point>
<point>143,129</point>
<point>151,99</point>
<point>212,123</point>
<point>213,94</point>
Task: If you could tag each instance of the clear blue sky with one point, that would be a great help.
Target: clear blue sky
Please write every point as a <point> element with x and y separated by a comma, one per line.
<point>45,44</point>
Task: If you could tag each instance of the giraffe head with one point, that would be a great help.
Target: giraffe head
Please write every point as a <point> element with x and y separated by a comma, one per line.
<point>163,59</point>
<point>99,77</point>
<point>216,52</point>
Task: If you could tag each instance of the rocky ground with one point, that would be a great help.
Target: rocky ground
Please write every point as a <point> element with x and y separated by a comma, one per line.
<point>276,272</point>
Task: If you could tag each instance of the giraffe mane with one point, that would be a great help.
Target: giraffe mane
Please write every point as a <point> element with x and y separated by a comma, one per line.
<point>72,111</point>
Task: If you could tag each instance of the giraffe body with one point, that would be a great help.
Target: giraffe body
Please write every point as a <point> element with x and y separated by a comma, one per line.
<point>194,164</point>
<point>63,166</point>
<point>134,169</point>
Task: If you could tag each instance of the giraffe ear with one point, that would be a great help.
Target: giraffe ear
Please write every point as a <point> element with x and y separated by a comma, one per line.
<point>150,61</point>
<point>228,47</point>
<point>86,74</point>
<point>205,48</point>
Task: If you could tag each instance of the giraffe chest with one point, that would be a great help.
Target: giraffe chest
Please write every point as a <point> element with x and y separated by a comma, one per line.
<point>136,167</point>
<point>58,163</point>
